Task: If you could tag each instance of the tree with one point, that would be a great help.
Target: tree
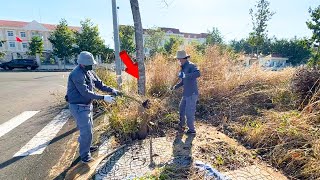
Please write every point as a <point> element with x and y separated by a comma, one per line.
<point>154,40</point>
<point>266,47</point>
<point>126,34</point>
<point>200,47</point>
<point>214,37</point>
<point>2,54</point>
<point>108,55</point>
<point>139,46</point>
<point>241,46</point>
<point>314,25</point>
<point>35,46</point>
<point>62,39</point>
<point>172,45</point>
<point>88,39</point>
<point>260,18</point>
<point>293,49</point>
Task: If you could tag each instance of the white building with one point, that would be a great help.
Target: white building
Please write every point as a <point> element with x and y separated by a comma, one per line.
<point>270,62</point>
<point>10,30</point>
<point>186,37</point>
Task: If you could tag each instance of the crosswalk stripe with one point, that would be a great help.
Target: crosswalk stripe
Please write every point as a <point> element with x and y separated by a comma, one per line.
<point>41,140</point>
<point>16,121</point>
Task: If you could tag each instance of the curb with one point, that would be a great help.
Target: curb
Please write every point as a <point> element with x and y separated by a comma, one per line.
<point>77,159</point>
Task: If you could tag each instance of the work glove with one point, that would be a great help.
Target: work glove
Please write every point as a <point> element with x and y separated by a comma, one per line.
<point>116,92</point>
<point>108,99</point>
<point>182,75</point>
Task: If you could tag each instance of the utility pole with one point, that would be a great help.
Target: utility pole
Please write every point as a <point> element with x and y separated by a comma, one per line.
<point>116,42</point>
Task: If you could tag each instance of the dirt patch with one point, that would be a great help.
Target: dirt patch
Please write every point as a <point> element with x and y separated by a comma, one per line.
<point>209,146</point>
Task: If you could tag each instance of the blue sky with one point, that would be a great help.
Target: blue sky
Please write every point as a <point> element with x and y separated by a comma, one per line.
<point>231,17</point>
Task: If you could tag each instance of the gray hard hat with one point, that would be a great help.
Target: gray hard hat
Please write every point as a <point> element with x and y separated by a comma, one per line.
<point>86,58</point>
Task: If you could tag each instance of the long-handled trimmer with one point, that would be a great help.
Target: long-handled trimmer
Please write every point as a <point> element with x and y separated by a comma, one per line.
<point>145,104</point>
<point>169,90</point>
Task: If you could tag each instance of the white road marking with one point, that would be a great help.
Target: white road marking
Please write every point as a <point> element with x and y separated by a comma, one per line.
<point>16,121</point>
<point>41,140</point>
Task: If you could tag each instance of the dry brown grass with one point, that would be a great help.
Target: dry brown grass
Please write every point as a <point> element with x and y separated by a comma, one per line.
<point>258,107</point>
<point>161,74</point>
<point>125,119</point>
<point>221,75</point>
<point>286,139</point>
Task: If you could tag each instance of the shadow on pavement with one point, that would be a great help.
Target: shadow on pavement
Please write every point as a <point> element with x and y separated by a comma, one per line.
<point>15,159</point>
<point>182,158</point>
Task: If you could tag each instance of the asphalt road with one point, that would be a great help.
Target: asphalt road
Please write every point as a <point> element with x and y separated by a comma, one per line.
<point>30,122</point>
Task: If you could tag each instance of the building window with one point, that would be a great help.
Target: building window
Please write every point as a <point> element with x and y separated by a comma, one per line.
<point>23,34</point>
<point>24,45</point>
<point>12,44</point>
<point>10,33</point>
<point>36,33</point>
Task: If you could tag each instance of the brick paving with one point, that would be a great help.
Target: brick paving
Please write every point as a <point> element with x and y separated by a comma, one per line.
<point>141,157</point>
<point>135,160</point>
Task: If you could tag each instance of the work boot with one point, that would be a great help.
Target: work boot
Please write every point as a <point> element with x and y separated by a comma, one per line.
<point>93,148</point>
<point>87,159</point>
<point>180,128</point>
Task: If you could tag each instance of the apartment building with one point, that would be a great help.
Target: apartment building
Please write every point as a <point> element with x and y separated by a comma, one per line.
<point>186,37</point>
<point>11,30</point>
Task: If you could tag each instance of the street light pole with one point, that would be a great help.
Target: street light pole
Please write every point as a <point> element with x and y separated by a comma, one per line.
<point>116,42</point>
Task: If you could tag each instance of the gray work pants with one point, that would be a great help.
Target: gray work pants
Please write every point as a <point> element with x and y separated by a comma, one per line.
<point>188,110</point>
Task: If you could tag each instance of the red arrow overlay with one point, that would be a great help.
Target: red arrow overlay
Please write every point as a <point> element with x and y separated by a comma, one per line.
<point>132,68</point>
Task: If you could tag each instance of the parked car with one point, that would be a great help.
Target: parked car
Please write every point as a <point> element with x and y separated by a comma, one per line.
<point>29,64</point>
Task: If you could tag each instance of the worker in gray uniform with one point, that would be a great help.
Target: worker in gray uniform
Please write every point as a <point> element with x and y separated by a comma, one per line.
<point>81,82</point>
<point>188,80</point>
